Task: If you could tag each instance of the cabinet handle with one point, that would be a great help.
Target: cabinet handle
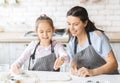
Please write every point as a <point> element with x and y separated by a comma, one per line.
<point>25,45</point>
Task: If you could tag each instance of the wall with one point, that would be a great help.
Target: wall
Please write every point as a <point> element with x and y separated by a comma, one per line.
<point>21,16</point>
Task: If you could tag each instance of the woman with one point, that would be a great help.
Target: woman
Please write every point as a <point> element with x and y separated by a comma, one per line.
<point>89,47</point>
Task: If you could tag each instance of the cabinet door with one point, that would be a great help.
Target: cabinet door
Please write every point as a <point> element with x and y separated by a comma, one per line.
<point>116,50</point>
<point>4,53</point>
<point>15,50</point>
<point>9,52</point>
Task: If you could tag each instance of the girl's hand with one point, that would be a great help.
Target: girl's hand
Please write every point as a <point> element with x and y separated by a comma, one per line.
<point>84,72</point>
<point>15,70</point>
<point>58,63</point>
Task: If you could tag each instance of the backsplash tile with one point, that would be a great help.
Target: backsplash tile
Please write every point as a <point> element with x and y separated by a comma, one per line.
<point>21,17</point>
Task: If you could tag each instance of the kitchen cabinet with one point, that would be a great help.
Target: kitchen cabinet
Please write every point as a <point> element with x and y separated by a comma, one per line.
<point>4,54</point>
<point>116,50</point>
<point>9,52</point>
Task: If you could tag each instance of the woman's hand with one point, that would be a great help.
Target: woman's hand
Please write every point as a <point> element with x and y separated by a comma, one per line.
<point>59,61</point>
<point>84,72</point>
<point>73,69</point>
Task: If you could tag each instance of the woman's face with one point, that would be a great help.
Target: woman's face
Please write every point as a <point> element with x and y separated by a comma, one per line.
<point>75,25</point>
<point>45,32</point>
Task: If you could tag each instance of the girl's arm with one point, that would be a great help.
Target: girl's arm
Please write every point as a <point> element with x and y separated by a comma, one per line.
<point>61,54</point>
<point>59,61</point>
<point>16,66</point>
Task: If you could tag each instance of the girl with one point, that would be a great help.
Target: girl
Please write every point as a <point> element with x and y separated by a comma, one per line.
<point>46,54</point>
<point>89,47</point>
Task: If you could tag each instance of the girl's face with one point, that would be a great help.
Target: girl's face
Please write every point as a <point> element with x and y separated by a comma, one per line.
<point>75,25</point>
<point>45,32</point>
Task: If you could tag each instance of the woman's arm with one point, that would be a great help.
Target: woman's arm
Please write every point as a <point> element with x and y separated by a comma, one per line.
<point>111,65</point>
<point>106,51</point>
<point>73,68</point>
<point>111,62</point>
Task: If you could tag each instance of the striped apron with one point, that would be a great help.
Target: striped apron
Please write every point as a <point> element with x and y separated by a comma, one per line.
<point>45,63</point>
<point>88,57</point>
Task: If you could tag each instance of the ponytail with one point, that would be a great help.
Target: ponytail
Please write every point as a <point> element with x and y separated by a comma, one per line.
<point>91,27</point>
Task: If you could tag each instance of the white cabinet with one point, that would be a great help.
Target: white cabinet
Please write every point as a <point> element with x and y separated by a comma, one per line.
<point>4,53</point>
<point>116,49</point>
<point>9,52</point>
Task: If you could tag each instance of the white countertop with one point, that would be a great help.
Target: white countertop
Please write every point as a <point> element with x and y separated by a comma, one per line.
<point>19,37</point>
<point>62,77</point>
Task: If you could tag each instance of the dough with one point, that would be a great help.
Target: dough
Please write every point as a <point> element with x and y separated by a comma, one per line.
<point>55,76</point>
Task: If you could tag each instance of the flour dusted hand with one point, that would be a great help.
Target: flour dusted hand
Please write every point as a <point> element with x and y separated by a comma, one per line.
<point>15,69</point>
<point>73,69</point>
<point>59,61</point>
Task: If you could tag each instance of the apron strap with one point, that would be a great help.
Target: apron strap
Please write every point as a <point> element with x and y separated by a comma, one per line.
<point>76,42</point>
<point>75,45</point>
<point>88,35</point>
<point>33,55</point>
<point>52,47</point>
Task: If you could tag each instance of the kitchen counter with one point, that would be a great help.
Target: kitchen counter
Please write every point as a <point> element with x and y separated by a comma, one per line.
<point>56,77</point>
<point>19,37</point>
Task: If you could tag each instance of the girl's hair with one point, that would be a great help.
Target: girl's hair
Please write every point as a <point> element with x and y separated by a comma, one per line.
<point>44,18</point>
<point>82,14</point>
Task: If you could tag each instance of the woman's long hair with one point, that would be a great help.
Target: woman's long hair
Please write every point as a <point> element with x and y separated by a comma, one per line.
<point>82,14</point>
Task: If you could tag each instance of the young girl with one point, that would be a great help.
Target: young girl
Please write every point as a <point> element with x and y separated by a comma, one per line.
<point>45,54</point>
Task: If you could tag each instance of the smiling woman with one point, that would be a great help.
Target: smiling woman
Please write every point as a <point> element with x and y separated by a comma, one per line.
<point>89,47</point>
